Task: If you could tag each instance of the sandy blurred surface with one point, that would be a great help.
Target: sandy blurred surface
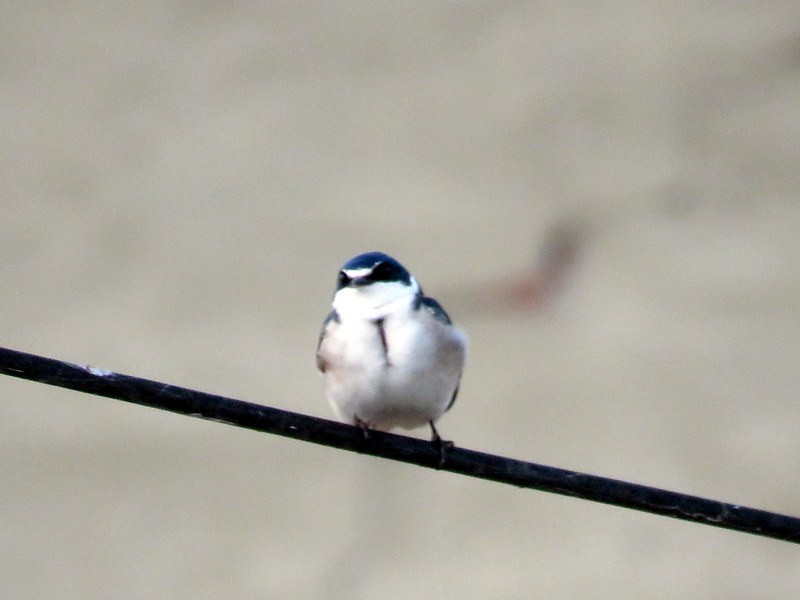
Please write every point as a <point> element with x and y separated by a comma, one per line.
<point>181,181</point>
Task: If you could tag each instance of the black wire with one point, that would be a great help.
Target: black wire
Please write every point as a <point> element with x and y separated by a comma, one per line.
<point>405,449</point>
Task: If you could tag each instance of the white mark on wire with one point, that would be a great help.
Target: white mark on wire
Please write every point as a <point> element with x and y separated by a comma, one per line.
<point>97,371</point>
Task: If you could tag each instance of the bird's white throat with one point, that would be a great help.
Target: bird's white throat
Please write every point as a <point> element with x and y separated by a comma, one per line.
<point>376,300</point>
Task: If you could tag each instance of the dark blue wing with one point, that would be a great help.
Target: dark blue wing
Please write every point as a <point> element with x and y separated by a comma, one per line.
<point>333,317</point>
<point>440,314</point>
<point>433,307</point>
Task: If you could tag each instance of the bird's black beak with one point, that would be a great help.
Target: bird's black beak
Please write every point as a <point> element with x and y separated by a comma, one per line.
<point>360,281</point>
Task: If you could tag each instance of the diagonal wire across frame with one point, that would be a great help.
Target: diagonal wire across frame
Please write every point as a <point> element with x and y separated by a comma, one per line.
<point>501,469</point>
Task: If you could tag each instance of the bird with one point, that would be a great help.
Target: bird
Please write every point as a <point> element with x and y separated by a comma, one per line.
<point>390,355</point>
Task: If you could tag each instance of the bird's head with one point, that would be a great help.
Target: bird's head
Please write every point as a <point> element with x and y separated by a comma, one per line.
<point>370,284</point>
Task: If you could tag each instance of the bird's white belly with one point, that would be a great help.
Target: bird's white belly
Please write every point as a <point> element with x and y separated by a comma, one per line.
<point>407,385</point>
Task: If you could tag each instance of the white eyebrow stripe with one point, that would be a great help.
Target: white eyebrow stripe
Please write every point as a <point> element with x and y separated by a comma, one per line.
<point>353,273</point>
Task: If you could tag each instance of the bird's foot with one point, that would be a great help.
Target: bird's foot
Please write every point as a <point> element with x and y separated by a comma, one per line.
<point>363,425</point>
<point>442,445</point>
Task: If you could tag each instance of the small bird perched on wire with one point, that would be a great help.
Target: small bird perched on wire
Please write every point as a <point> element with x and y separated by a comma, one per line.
<point>390,355</point>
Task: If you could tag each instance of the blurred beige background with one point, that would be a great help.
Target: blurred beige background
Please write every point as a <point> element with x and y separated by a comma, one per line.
<point>180,183</point>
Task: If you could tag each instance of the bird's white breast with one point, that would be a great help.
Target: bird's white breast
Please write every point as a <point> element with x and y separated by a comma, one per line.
<point>405,383</point>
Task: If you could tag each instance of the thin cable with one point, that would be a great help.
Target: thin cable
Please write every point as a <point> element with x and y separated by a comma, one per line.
<point>184,401</point>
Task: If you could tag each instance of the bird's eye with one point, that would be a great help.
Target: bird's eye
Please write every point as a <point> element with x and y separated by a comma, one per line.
<point>382,272</point>
<point>342,280</point>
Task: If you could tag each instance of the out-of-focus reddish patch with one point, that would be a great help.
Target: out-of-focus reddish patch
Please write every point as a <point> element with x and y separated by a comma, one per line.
<point>537,287</point>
